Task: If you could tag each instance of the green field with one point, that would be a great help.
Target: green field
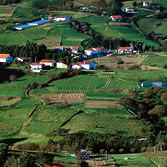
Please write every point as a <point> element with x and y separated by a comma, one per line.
<point>136,160</point>
<point>50,34</point>
<point>78,83</point>
<point>104,96</point>
<point>161,2</point>
<point>150,24</point>
<point>128,32</point>
<point>159,61</point>
<point>48,119</point>
<point>100,123</point>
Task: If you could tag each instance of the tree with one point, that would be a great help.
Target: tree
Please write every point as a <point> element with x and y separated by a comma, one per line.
<point>3,152</point>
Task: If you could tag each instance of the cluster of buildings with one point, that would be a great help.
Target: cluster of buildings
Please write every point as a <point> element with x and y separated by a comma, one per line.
<point>86,64</point>
<point>36,23</point>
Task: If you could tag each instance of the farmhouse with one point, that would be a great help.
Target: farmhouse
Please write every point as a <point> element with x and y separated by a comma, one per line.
<point>147,3</point>
<point>116,18</point>
<point>62,18</point>
<point>60,64</point>
<point>36,67</point>
<point>87,65</point>
<point>5,58</point>
<point>94,51</point>
<point>50,63</point>
<point>74,49</point>
<point>58,48</point>
<point>22,59</point>
<point>76,66</point>
<point>126,50</point>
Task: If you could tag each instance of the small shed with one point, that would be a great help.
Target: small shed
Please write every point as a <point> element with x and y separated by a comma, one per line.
<point>22,59</point>
<point>76,66</point>
<point>36,67</point>
<point>87,65</point>
<point>95,51</point>
<point>60,64</point>
<point>116,18</point>
<point>62,18</point>
<point>5,58</point>
<point>129,10</point>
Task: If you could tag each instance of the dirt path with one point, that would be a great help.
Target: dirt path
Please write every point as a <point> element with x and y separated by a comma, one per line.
<point>95,162</point>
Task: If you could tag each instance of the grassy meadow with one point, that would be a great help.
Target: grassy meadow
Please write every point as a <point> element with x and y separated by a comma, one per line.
<point>136,160</point>
<point>151,24</point>
<point>158,61</point>
<point>128,32</point>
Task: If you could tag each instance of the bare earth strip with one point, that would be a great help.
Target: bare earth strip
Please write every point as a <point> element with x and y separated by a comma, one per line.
<point>102,104</point>
<point>60,98</point>
<point>96,163</point>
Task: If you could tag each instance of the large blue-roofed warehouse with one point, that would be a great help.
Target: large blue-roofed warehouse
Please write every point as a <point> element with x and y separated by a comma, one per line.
<point>152,84</point>
<point>29,25</point>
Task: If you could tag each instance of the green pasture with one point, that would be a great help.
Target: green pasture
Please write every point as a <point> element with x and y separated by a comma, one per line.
<point>159,61</point>
<point>152,24</point>
<point>127,4</point>
<point>93,20</point>
<point>21,109</point>
<point>78,83</point>
<point>8,129</point>
<point>102,96</point>
<point>161,2</point>
<point>27,13</point>
<point>108,111</point>
<point>128,32</point>
<point>51,34</point>
<point>48,119</point>
<point>136,160</point>
<point>125,79</point>
<point>11,92</point>
<point>129,76</point>
<point>104,123</point>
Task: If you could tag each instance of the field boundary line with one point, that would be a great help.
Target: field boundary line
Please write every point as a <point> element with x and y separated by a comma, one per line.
<point>155,163</point>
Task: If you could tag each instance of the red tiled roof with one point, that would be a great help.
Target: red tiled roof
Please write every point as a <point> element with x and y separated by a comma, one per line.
<point>61,16</point>
<point>94,49</point>
<point>4,55</point>
<point>47,61</point>
<point>86,62</point>
<point>59,62</point>
<point>125,48</point>
<point>24,58</point>
<point>58,47</point>
<point>36,64</point>
<point>116,16</point>
<point>72,47</point>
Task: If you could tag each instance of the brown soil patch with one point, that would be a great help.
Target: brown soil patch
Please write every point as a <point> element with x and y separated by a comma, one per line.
<point>129,60</point>
<point>102,104</point>
<point>150,68</point>
<point>96,162</point>
<point>118,24</point>
<point>61,98</point>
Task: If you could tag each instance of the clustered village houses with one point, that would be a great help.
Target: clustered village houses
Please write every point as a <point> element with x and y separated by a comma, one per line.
<point>86,64</point>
